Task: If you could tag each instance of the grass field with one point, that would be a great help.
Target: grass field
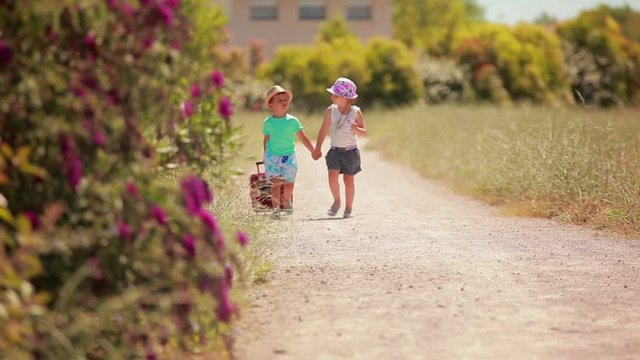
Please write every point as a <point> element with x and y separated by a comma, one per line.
<point>579,165</point>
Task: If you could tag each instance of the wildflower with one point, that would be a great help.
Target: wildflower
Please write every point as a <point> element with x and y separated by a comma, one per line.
<point>217,78</point>
<point>124,230</point>
<point>228,274</point>
<point>99,137</point>
<point>225,308</point>
<point>91,45</point>
<point>189,243</point>
<point>6,54</point>
<point>187,108</point>
<point>174,4</point>
<point>132,189</point>
<point>158,213</point>
<point>72,163</point>
<point>33,219</point>
<point>148,42</point>
<point>243,238</point>
<point>225,108</point>
<point>166,14</point>
<point>195,91</point>
<point>195,193</point>
<point>209,220</point>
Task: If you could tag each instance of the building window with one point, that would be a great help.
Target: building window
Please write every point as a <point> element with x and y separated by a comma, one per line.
<point>264,9</point>
<point>313,10</point>
<point>359,9</point>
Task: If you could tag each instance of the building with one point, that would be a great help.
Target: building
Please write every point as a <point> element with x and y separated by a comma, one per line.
<point>284,22</point>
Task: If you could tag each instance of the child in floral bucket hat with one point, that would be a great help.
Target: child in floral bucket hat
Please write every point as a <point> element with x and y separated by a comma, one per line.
<point>345,122</point>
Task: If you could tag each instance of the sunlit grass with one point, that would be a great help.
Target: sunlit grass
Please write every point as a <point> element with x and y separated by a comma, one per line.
<point>579,165</point>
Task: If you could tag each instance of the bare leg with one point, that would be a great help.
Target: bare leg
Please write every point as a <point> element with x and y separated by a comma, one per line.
<point>286,196</point>
<point>334,186</point>
<point>276,190</point>
<point>349,191</point>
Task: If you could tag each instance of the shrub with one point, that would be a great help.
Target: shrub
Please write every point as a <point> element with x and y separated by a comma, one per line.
<point>395,79</point>
<point>101,255</point>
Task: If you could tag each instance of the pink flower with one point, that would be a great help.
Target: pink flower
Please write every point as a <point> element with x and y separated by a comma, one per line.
<point>187,108</point>
<point>124,230</point>
<point>33,219</point>
<point>132,189</point>
<point>158,213</point>
<point>209,220</point>
<point>90,44</point>
<point>195,193</point>
<point>225,307</point>
<point>243,238</point>
<point>166,14</point>
<point>225,108</point>
<point>6,54</point>
<point>228,274</point>
<point>217,78</point>
<point>189,244</point>
<point>195,91</point>
<point>71,161</point>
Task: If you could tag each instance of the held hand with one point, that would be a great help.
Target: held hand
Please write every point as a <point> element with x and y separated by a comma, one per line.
<point>354,128</point>
<point>316,154</point>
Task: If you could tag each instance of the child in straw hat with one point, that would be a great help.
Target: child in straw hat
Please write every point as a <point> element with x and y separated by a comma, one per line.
<point>280,130</point>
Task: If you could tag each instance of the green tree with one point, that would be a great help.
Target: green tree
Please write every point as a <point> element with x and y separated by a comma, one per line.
<point>433,25</point>
<point>603,60</point>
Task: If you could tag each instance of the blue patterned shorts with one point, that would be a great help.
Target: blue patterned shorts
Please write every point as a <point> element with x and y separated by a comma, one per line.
<point>281,166</point>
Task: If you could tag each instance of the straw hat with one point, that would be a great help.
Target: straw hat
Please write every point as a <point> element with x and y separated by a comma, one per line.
<point>275,90</point>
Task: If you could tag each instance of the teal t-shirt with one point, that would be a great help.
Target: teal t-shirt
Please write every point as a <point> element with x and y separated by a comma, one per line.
<point>282,134</point>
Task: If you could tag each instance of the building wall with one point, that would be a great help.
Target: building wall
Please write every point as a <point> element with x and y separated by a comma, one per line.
<point>289,29</point>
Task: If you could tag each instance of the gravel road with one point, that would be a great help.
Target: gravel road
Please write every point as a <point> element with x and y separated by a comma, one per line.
<point>422,273</point>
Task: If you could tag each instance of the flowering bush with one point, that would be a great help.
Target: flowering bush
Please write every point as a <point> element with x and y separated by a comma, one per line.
<point>100,255</point>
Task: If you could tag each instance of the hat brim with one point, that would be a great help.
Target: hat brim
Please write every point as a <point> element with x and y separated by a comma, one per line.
<point>284,91</point>
<point>333,93</point>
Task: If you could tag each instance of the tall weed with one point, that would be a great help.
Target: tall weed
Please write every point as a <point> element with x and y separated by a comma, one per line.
<point>581,165</point>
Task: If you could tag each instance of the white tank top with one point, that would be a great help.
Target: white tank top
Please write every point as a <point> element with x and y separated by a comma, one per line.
<point>341,134</point>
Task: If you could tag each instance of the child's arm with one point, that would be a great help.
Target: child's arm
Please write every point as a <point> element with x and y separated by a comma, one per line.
<point>359,127</point>
<point>322,133</point>
<point>264,143</point>
<point>302,136</point>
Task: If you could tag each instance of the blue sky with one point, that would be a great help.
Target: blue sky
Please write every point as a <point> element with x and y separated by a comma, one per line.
<point>512,11</point>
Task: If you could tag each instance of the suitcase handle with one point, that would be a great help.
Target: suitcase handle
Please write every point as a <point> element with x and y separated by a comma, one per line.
<point>258,163</point>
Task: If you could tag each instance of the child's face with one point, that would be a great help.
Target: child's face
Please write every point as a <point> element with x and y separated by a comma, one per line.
<point>339,100</point>
<point>279,104</point>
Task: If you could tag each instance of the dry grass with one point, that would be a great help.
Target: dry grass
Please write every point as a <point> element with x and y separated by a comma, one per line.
<point>579,165</point>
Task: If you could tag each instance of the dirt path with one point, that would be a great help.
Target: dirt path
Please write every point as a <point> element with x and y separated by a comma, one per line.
<point>421,273</point>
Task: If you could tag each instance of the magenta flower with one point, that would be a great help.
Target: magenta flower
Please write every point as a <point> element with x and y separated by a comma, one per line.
<point>195,91</point>
<point>124,230</point>
<point>225,108</point>
<point>217,78</point>
<point>195,193</point>
<point>148,42</point>
<point>225,308</point>
<point>228,274</point>
<point>243,238</point>
<point>6,54</point>
<point>209,220</point>
<point>174,4</point>
<point>158,213</point>
<point>187,108</point>
<point>99,137</point>
<point>132,189</point>
<point>71,161</point>
<point>166,14</point>
<point>189,244</point>
<point>92,47</point>
<point>33,219</point>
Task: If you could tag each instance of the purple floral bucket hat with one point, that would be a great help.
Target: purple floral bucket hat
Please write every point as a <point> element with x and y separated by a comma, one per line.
<point>344,87</point>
